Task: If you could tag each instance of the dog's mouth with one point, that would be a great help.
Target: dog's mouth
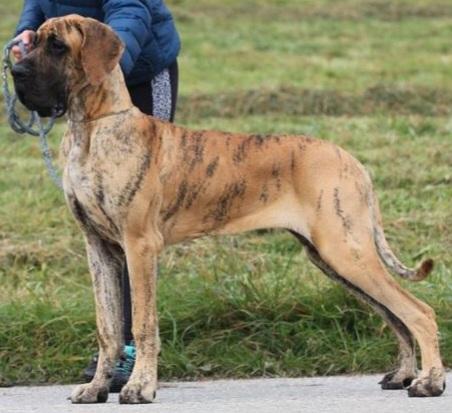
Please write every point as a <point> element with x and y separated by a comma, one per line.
<point>56,110</point>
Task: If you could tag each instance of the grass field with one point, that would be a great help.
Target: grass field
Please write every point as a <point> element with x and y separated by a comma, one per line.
<point>372,76</point>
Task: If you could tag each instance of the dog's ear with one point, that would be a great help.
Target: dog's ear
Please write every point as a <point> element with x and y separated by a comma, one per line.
<point>100,51</point>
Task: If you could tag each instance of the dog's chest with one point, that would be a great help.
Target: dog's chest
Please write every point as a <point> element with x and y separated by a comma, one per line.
<point>102,175</point>
<point>93,202</point>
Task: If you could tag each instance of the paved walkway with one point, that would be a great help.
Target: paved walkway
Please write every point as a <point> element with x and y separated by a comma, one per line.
<point>305,395</point>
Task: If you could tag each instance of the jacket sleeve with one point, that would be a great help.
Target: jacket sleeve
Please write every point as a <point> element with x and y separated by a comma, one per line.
<point>131,20</point>
<point>31,18</point>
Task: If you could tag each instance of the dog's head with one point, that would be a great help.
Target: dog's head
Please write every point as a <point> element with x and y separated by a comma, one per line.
<point>69,53</point>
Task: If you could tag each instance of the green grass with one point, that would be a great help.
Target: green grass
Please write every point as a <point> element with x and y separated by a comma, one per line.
<point>372,76</point>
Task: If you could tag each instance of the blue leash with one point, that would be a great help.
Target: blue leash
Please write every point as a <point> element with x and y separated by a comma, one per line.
<point>21,126</point>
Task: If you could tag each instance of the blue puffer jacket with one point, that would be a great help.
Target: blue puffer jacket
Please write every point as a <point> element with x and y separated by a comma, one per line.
<point>145,26</point>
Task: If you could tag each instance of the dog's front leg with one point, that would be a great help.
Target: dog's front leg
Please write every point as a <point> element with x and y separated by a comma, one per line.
<point>105,264</point>
<point>141,255</point>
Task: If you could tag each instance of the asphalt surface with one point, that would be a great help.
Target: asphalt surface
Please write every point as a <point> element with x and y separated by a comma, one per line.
<point>342,394</point>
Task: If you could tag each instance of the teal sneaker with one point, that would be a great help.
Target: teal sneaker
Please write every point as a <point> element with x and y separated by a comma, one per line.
<point>122,372</point>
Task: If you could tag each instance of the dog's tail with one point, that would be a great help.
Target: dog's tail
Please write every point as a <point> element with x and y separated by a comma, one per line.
<point>387,255</point>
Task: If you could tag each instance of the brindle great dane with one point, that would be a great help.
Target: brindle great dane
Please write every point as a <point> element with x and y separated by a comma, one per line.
<point>136,184</point>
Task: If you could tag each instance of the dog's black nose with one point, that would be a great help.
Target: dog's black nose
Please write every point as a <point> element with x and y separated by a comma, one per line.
<point>20,71</point>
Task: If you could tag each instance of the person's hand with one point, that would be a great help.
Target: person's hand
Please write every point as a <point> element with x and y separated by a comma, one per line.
<point>27,37</point>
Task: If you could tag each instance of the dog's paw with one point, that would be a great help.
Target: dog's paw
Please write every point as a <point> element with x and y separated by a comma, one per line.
<point>89,393</point>
<point>136,393</point>
<point>431,385</point>
<point>396,380</point>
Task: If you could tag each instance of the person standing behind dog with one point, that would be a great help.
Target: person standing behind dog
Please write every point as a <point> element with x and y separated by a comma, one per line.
<point>149,64</point>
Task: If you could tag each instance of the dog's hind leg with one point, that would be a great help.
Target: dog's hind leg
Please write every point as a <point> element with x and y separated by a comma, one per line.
<point>406,373</point>
<point>105,263</point>
<point>350,257</point>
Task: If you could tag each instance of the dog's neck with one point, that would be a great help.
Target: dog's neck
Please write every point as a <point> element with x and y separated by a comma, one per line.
<point>95,102</point>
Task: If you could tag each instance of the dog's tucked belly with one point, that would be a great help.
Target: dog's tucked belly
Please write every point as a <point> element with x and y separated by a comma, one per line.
<point>188,226</point>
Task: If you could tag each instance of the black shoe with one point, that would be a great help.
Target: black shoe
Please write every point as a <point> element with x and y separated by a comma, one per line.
<point>122,372</point>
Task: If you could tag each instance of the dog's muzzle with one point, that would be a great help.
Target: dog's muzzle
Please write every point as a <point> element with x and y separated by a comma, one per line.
<point>32,97</point>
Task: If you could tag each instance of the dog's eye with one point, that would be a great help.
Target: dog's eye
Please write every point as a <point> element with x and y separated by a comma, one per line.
<point>57,46</point>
